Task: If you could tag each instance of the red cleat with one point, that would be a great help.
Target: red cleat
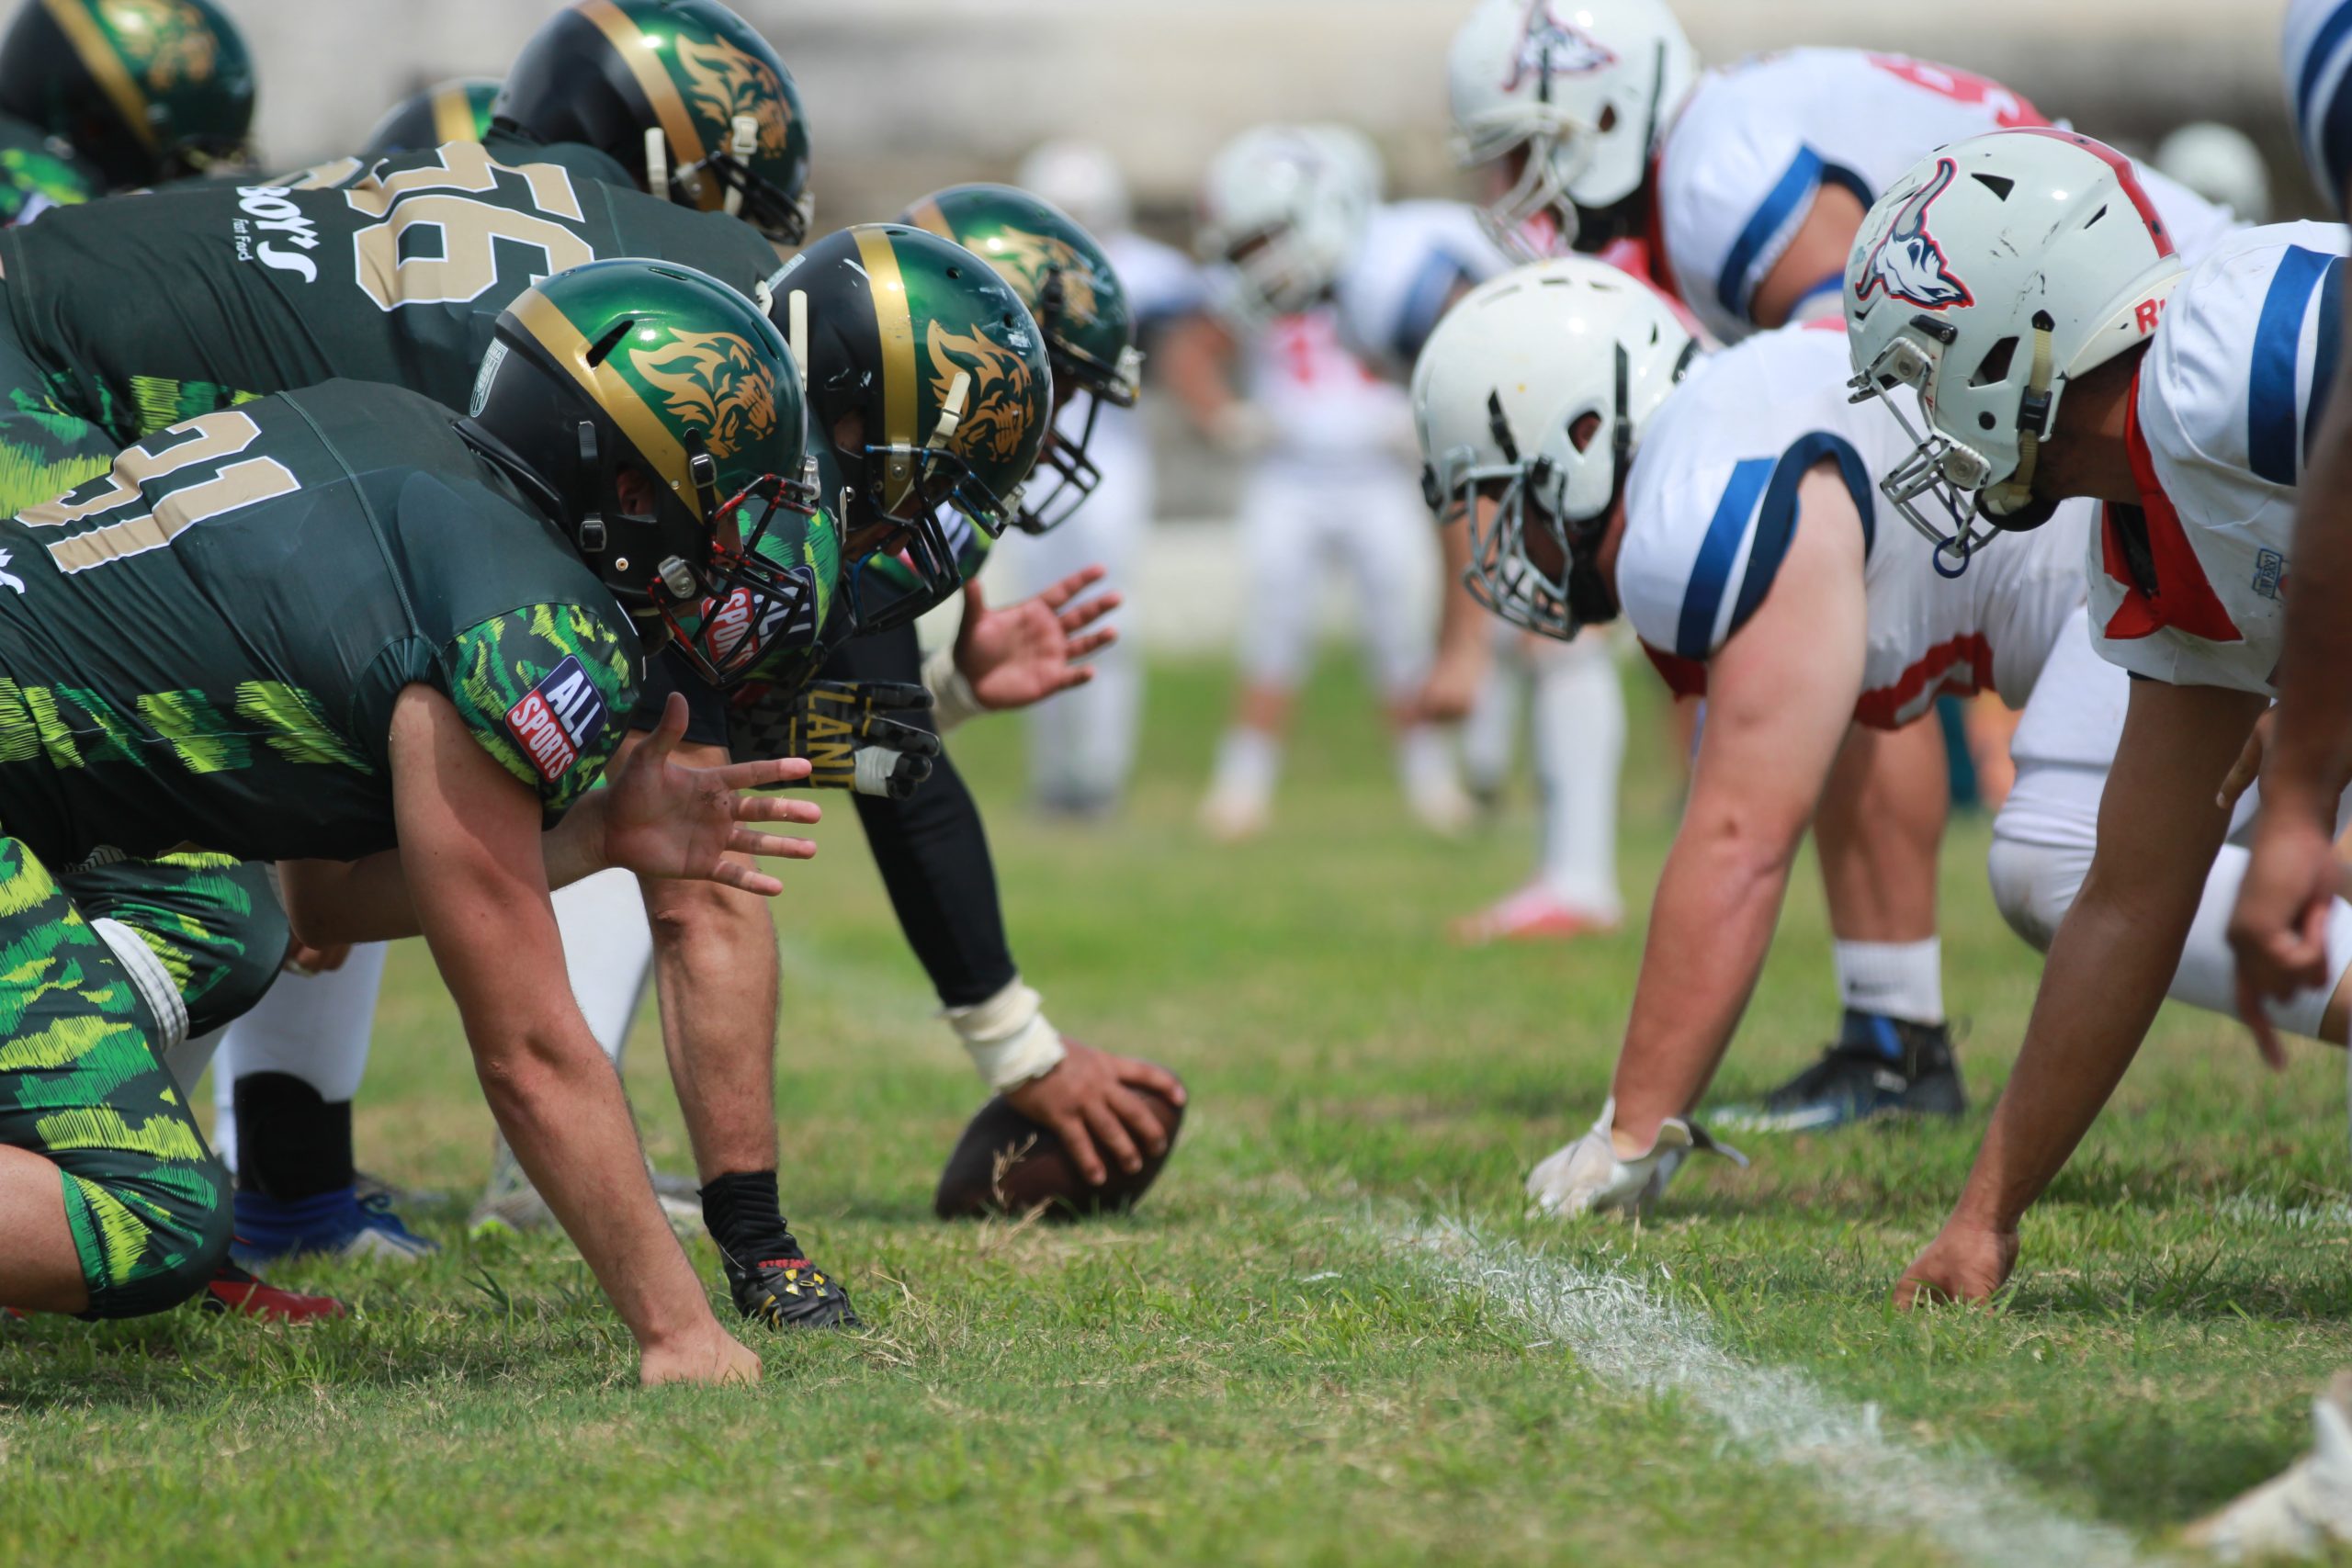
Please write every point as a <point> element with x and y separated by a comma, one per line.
<point>231,1288</point>
<point>1531,914</point>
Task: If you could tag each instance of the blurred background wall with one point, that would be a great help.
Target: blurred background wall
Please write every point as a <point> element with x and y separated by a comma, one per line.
<point>905,96</point>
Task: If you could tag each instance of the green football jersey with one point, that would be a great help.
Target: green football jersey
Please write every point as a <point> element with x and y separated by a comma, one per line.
<point>204,646</point>
<point>145,312</point>
<point>36,174</point>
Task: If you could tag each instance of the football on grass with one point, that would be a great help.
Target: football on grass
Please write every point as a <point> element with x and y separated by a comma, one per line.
<point>1006,1164</point>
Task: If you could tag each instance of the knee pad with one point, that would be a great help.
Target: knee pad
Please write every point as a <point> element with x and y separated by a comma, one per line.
<point>2034,885</point>
<point>150,1232</point>
<point>213,923</point>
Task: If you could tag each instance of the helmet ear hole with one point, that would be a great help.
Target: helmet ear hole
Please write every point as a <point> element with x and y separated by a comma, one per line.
<point>1994,366</point>
<point>1584,430</point>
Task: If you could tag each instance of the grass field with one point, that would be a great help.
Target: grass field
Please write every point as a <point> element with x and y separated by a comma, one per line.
<point>1272,1361</point>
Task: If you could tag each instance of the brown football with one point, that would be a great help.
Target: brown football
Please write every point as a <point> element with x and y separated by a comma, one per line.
<point>1006,1164</point>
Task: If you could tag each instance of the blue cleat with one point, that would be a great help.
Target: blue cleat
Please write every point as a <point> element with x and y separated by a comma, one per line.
<point>1879,1066</point>
<point>339,1223</point>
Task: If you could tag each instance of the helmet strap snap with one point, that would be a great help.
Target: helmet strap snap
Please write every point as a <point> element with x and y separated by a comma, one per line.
<point>657,164</point>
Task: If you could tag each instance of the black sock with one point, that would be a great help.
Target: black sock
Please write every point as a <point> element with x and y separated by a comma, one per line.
<point>745,1217</point>
<point>291,1143</point>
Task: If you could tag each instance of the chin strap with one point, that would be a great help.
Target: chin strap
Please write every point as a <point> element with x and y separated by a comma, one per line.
<point>2016,493</point>
<point>657,164</point>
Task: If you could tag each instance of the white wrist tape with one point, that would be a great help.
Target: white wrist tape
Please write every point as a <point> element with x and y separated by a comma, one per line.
<point>872,768</point>
<point>149,978</point>
<point>952,698</point>
<point>1008,1036</point>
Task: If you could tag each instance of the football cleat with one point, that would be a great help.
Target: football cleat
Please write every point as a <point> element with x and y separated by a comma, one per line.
<point>1587,1177</point>
<point>1857,1081</point>
<point>786,1290</point>
<point>232,1290</point>
<point>2299,1511</point>
<point>339,1223</point>
<point>1532,914</point>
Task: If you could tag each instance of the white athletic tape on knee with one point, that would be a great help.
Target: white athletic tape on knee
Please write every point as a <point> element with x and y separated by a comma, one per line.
<point>1008,1036</point>
<point>952,701</point>
<point>148,977</point>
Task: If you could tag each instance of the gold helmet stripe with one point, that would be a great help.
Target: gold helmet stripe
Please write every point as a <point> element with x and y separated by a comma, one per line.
<point>925,215</point>
<point>104,62</point>
<point>643,428</point>
<point>453,115</point>
<point>894,326</point>
<point>652,79</point>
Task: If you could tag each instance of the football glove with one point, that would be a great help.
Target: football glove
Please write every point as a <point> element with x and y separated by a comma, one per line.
<point>846,731</point>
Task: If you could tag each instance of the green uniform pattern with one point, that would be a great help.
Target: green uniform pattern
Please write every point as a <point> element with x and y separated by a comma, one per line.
<point>213,922</point>
<point>81,1083</point>
<point>139,314</point>
<point>35,175</point>
<point>45,448</point>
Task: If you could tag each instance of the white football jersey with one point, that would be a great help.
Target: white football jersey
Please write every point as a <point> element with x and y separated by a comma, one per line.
<point>2187,588</point>
<point>1322,403</point>
<point>1711,502</point>
<point>2318,66</point>
<point>1161,282</point>
<point>1415,258</point>
<point>1737,170</point>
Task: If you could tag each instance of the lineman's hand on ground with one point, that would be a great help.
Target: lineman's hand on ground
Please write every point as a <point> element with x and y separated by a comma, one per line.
<point>721,1359</point>
<point>1088,1101</point>
<point>1965,1263</point>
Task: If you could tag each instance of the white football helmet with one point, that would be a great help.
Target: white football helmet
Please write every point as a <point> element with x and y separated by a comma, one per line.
<point>1989,275</point>
<point>2220,164</point>
<point>1283,210</point>
<point>1083,180</point>
<point>1582,88</point>
<point>1496,397</point>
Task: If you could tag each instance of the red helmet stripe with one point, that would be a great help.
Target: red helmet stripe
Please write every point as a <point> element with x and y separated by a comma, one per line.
<point>2126,175</point>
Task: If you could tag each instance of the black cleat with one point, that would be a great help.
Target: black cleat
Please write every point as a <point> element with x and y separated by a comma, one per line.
<point>1856,1081</point>
<point>784,1290</point>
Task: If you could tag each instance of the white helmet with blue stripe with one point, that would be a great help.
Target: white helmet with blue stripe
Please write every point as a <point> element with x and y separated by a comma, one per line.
<point>1529,401</point>
<point>1988,276</point>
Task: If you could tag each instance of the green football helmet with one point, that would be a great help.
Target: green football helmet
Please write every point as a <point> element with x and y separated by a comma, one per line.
<point>453,111</point>
<point>660,418</point>
<point>929,395</point>
<point>1070,287</point>
<point>684,94</point>
<point>147,90</point>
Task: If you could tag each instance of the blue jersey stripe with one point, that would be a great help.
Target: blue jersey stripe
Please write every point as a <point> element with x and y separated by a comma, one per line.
<point>1695,637</point>
<point>2273,423</point>
<point>1424,301</point>
<point>1776,520</point>
<point>2327,347</point>
<point>1797,185</point>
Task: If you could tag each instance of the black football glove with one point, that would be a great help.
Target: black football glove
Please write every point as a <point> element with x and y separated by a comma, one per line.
<point>844,729</point>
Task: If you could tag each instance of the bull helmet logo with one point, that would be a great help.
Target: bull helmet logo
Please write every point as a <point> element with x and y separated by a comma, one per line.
<point>1550,45</point>
<point>168,42</point>
<point>998,408</point>
<point>723,81</point>
<point>1907,263</point>
<point>714,381</point>
<point>1026,261</point>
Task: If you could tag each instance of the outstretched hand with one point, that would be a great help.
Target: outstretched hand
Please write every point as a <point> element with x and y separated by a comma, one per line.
<point>663,818</point>
<point>1026,653</point>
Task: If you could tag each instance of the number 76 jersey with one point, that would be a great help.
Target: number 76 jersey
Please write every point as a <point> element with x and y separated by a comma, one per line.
<point>145,311</point>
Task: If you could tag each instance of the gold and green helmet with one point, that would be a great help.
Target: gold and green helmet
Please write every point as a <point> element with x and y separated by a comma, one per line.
<point>147,90</point>
<point>1070,287</point>
<point>659,417</point>
<point>684,94</point>
<point>930,390</point>
<point>453,111</point>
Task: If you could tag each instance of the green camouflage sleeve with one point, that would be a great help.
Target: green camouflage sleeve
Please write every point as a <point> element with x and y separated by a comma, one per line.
<point>547,691</point>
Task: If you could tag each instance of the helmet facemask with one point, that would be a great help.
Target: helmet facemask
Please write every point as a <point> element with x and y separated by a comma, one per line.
<point>751,600</point>
<point>1119,385</point>
<point>1959,494</point>
<point>778,216</point>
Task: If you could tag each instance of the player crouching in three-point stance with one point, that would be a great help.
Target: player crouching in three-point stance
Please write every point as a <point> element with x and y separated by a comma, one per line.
<point>2022,293</point>
<point>324,624</point>
<point>1733,519</point>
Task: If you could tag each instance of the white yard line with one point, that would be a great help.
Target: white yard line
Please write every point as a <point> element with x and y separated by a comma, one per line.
<point>1625,1334</point>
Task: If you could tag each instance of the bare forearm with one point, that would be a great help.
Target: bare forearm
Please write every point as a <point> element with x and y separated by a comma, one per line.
<point>334,902</point>
<point>2109,966</point>
<point>561,1107</point>
<point>1710,928</point>
<point>2311,751</point>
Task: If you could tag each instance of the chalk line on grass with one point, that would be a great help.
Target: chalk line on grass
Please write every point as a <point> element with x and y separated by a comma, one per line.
<point>1627,1335</point>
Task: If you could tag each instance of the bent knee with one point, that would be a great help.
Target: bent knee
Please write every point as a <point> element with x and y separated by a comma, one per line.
<point>687,909</point>
<point>149,1237</point>
<point>2033,886</point>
